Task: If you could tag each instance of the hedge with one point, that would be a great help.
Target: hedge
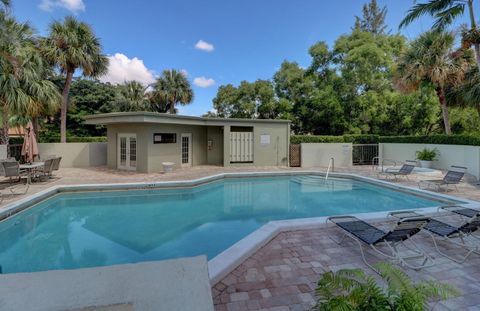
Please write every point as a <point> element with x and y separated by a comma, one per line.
<point>53,139</point>
<point>470,140</point>
<point>356,139</point>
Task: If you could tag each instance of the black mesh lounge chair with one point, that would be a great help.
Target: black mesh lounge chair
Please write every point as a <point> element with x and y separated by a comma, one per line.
<point>361,231</point>
<point>404,171</point>
<point>452,177</point>
<point>462,235</point>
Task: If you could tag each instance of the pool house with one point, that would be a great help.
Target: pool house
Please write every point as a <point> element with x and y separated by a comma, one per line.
<point>145,141</point>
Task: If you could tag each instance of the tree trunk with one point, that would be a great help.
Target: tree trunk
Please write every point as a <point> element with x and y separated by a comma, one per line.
<point>473,26</point>
<point>443,104</point>
<point>4,137</point>
<point>172,105</point>
<point>63,109</point>
<point>35,126</point>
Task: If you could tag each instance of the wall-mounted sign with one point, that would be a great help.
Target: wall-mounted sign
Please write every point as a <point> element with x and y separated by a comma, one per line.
<point>264,139</point>
<point>164,138</point>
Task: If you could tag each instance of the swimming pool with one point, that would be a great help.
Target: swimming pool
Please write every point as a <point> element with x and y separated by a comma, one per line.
<point>85,229</point>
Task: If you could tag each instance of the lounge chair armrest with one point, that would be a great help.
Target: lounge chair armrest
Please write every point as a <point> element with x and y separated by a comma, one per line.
<point>404,214</point>
<point>334,219</point>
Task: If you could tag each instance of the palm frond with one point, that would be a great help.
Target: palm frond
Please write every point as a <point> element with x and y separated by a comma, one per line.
<point>446,17</point>
<point>432,8</point>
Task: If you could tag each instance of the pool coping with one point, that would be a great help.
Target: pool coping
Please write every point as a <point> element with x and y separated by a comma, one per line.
<point>232,257</point>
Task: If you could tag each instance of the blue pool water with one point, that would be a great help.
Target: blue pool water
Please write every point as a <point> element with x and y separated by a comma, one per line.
<point>75,230</point>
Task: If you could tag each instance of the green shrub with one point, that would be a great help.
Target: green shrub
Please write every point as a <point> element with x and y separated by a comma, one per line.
<point>73,139</point>
<point>299,139</point>
<point>469,140</point>
<point>355,139</point>
<point>353,289</point>
<point>361,138</point>
<point>427,154</point>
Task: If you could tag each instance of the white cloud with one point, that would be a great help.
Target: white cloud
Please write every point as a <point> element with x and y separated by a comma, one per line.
<point>204,46</point>
<point>203,82</point>
<point>71,5</point>
<point>122,69</point>
<point>184,72</point>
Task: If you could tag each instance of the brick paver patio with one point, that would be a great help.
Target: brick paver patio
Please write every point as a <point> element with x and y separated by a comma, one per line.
<point>283,274</point>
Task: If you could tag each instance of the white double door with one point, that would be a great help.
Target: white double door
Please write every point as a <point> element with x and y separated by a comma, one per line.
<point>186,151</point>
<point>127,152</point>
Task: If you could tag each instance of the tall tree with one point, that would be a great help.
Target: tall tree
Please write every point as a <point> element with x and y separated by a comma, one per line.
<point>445,12</point>
<point>132,97</point>
<point>72,45</point>
<point>170,89</point>
<point>431,62</point>
<point>373,18</point>
<point>24,91</point>
<point>250,100</point>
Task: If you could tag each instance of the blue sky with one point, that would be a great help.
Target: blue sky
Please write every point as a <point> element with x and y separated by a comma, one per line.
<point>242,39</point>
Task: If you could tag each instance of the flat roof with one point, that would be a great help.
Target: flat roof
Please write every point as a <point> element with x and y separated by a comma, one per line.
<point>165,118</point>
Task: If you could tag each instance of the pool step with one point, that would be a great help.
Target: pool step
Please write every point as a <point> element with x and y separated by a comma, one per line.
<point>319,183</point>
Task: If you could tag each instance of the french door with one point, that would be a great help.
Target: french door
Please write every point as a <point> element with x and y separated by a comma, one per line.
<point>186,151</point>
<point>127,152</point>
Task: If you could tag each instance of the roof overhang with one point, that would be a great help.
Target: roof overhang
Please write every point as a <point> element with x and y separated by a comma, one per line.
<point>164,118</point>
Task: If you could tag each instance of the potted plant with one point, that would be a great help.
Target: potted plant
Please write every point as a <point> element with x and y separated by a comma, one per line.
<point>426,157</point>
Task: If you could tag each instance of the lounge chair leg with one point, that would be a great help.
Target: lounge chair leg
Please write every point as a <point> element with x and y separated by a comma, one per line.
<point>459,261</point>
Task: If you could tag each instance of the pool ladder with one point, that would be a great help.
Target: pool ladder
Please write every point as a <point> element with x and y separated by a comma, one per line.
<point>331,167</point>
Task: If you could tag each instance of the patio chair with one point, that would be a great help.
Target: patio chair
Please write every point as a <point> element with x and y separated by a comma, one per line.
<point>12,170</point>
<point>56,164</point>
<point>452,177</point>
<point>404,171</point>
<point>2,171</point>
<point>46,170</point>
<point>462,235</point>
<point>363,232</point>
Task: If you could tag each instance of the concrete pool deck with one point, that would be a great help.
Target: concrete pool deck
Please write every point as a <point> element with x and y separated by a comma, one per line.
<point>99,175</point>
<point>267,272</point>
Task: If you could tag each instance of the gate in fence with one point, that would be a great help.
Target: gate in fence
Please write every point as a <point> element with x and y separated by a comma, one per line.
<point>295,155</point>
<point>364,154</point>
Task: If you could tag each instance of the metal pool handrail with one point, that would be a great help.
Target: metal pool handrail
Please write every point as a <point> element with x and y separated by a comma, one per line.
<point>331,165</point>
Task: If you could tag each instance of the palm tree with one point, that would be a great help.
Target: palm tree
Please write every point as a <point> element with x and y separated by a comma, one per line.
<point>430,61</point>
<point>5,4</point>
<point>133,97</point>
<point>172,88</point>
<point>445,12</point>
<point>72,45</point>
<point>24,91</point>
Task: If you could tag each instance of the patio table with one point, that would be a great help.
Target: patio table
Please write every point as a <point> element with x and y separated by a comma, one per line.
<point>30,168</point>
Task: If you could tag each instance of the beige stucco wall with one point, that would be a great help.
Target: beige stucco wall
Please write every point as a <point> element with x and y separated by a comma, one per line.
<point>158,153</point>
<point>215,154</point>
<point>3,152</point>
<point>468,156</point>
<point>76,154</point>
<point>150,156</point>
<point>319,154</point>
<point>141,131</point>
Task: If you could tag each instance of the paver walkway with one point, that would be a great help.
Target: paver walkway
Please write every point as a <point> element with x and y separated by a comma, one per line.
<point>283,274</point>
